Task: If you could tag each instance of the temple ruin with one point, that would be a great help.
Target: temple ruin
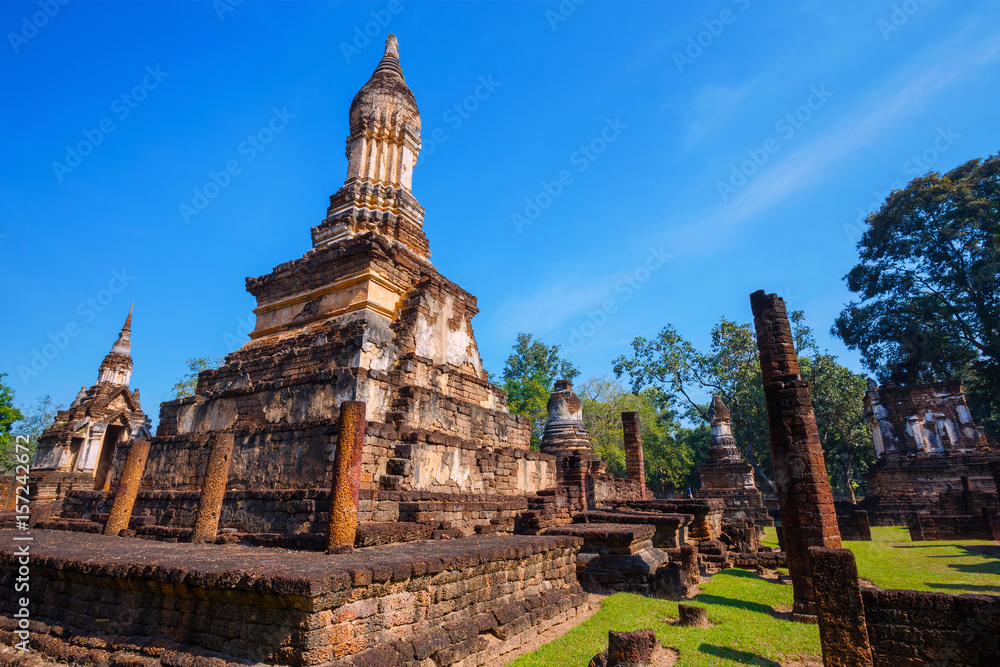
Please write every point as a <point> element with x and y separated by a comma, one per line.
<point>933,468</point>
<point>78,449</point>
<point>725,475</point>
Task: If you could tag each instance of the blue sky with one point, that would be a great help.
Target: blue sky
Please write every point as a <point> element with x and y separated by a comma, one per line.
<point>591,193</point>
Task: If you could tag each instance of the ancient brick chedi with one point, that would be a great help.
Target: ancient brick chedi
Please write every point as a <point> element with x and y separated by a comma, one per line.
<point>726,475</point>
<point>804,495</point>
<point>80,445</point>
<point>933,458</point>
<point>362,316</point>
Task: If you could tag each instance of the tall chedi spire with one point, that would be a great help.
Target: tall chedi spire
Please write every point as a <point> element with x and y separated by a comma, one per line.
<point>377,195</point>
<point>117,366</point>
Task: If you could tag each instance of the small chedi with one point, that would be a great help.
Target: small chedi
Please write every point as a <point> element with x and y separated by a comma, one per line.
<point>726,475</point>
<point>77,450</point>
<point>933,469</point>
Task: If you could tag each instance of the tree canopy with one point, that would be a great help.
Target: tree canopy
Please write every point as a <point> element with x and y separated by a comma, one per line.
<point>686,378</point>
<point>528,377</point>
<point>34,421</point>
<point>669,461</point>
<point>928,282</point>
<point>8,415</point>
<point>188,382</point>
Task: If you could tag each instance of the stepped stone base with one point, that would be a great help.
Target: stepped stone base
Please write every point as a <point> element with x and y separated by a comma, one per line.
<point>164,603</point>
<point>615,557</point>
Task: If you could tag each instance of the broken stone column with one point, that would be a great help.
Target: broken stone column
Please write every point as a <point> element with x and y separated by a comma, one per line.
<point>346,485</point>
<point>632,649</point>
<point>128,487</point>
<point>692,617</point>
<point>213,487</point>
<point>689,561</point>
<point>635,466</point>
<point>843,630</point>
<point>808,516</point>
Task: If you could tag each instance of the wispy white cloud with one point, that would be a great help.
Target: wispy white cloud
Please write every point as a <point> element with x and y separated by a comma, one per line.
<point>903,97</point>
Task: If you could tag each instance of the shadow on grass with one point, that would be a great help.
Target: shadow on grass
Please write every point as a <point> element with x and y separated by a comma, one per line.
<point>741,657</point>
<point>965,587</point>
<point>707,598</point>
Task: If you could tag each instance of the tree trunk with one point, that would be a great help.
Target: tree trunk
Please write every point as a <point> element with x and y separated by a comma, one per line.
<point>748,456</point>
<point>848,487</point>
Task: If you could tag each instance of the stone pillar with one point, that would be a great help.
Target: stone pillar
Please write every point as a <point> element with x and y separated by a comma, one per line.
<point>808,516</point>
<point>346,485</point>
<point>635,466</point>
<point>213,487</point>
<point>995,470</point>
<point>689,561</point>
<point>12,497</point>
<point>843,631</point>
<point>128,487</point>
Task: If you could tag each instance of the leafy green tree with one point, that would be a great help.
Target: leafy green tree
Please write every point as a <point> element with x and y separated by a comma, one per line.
<point>669,461</point>
<point>731,369</point>
<point>9,414</point>
<point>35,421</point>
<point>189,381</point>
<point>928,285</point>
<point>528,377</point>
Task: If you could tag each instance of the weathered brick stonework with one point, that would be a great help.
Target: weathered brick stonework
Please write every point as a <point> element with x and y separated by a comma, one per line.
<point>299,608</point>
<point>345,490</point>
<point>77,449</point>
<point>725,475</point>
<point>928,444</point>
<point>635,466</point>
<point>841,611</point>
<point>917,628</point>
<point>807,511</point>
<point>128,488</point>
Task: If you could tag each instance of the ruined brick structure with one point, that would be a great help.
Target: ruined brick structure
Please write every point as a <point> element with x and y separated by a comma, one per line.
<point>808,516</point>
<point>932,454</point>
<point>362,316</point>
<point>78,449</point>
<point>635,461</point>
<point>726,475</point>
<point>866,626</point>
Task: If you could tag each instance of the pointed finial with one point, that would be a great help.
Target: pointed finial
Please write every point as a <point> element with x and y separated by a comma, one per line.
<point>390,60</point>
<point>128,320</point>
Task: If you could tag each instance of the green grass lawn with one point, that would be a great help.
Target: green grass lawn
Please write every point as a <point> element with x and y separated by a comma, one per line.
<point>743,606</point>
